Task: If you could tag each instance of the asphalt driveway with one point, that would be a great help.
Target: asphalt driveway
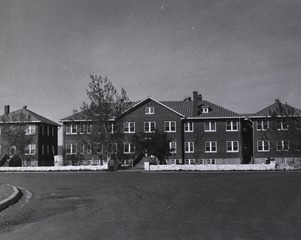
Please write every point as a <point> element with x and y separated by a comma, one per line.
<point>134,205</point>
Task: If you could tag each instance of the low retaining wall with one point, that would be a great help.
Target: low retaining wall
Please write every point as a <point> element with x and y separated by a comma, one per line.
<point>54,169</point>
<point>221,167</point>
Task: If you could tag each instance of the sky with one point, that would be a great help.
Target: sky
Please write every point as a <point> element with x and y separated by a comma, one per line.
<point>238,54</point>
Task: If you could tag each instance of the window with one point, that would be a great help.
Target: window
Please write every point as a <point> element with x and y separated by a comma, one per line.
<point>231,126</point>
<point>173,147</point>
<point>30,149</point>
<point>99,148</point>
<point>262,125</point>
<point>89,148</point>
<point>82,149</point>
<point>53,131</point>
<point>263,146</point>
<point>0,150</point>
<point>89,127</point>
<point>200,161</point>
<point>112,130</point>
<point>170,126</point>
<point>232,146</point>
<point>298,125</point>
<point>205,110</point>
<point>71,148</point>
<point>129,147</point>
<point>30,130</point>
<point>188,126</point>
<point>43,150</point>
<point>82,128</point>
<point>210,161</point>
<point>71,129</point>
<point>47,149</point>
<point>48,131</point>
<point>282,145</point>
<point>129,127</point>
<point>210,147</point>
<point>189,147</point>
<point>282,125</point>
<point>299,146</point>
<point>149,110</point>
<point>190,161</point>
<point>0,129</point>
<point>210,126</point>
<point>149,127</point>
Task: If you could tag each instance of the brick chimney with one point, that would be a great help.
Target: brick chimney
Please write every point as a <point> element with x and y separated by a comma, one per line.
<point>197,101</point>
<point>6,109</point>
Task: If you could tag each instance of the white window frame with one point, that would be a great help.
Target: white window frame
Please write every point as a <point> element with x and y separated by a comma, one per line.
<point>211,161</point>
<point>30,149</point>
<point>168,126</point>
<point>149,110</point>
<point>71,128</point>
<point>173,145</point>
<point>211,126</point>
<point>188,126</point>
<point>233,126</point>
<point>129,127</point>
<point>189,147</point>
<point>212,145</point>
<point>128,148</point>
<point>30,130</point>
<point>232,146</point>
<point>263,125</point>
<point>82,148</point>
<point>205,110</point>
<point>265,147</point>
<point>190,161</point>
<point>282,125</point>
<point>148,126</point>
<point>282,145</point>
<point>73,148</point>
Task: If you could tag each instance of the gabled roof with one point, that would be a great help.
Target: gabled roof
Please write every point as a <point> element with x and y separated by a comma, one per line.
<point>273,108</point>
<point>182,108</point>
<point>79,116</point>
<point>27,116</point>
<point>138,104</point>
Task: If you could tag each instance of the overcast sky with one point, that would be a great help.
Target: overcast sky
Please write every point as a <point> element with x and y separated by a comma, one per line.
<point>238,54</point>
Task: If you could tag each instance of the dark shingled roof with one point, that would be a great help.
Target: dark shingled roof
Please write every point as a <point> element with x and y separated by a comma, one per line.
<point>216,111</point>
<point>27,116</point>
<point>184,108</point>
<point>273,108</point>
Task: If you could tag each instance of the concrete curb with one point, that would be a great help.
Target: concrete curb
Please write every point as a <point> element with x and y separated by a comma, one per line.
<point>17,194</point>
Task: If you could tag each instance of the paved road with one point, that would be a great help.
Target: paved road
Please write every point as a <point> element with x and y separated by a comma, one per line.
<point>134,205</point>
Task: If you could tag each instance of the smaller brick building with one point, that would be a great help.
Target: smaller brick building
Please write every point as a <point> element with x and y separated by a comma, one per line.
<point>42,131</point>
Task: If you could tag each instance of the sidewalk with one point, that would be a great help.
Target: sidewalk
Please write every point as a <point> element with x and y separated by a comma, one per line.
<point>8,195</point>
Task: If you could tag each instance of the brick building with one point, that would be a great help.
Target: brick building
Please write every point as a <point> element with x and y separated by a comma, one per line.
<point>201,132</point>
<point>43,132</point>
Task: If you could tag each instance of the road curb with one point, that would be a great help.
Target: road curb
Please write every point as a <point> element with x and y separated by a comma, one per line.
<point>17,194</point>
